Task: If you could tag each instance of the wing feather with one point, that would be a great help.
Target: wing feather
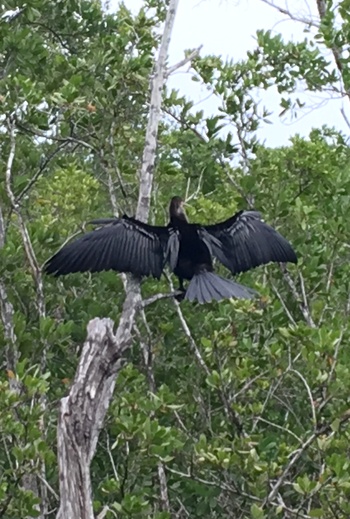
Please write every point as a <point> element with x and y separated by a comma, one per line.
<point>122,244</point>
<point>244,241</point>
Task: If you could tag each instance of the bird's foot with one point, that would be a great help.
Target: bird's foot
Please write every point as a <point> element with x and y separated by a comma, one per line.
<point>180,297</point>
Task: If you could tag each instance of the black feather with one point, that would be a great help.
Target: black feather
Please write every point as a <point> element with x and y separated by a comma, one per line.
<point>126,244</point>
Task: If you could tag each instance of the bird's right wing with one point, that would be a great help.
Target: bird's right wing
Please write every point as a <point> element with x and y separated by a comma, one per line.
<point>121,244</point>
<point>245,241</point>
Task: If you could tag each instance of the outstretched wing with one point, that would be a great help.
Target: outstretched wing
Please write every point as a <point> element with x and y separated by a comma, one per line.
<point>122,244</point>
<point>244,241</point>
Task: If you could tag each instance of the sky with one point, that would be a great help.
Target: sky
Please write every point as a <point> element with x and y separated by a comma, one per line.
<point>227,28</point>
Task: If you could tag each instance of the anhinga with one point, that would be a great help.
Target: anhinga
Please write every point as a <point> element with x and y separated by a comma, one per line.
<point>125,244</point>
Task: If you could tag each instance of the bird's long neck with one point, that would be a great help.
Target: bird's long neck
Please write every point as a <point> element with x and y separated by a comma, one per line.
<point>176,212</point>
<point>179,217</point>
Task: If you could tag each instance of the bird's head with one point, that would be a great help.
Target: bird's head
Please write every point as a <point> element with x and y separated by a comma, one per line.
<point>176,208</point>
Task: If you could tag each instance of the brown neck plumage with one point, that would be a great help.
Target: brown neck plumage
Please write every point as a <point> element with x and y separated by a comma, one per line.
<point>176,210</point>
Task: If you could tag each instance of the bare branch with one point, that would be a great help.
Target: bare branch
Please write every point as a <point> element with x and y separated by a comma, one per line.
<point>158,297</point>
<point>7,313</point>
<point>220,159</point>
<point>309,393</point>
<point>191,340</point>
<point>183,62</point>
<point>36,272</point>
<point>198,189</point>
<point>82,412</point>
<point>249,383</point>
<point>149,154</point>
<point>29,481</point>
<point>300,299</point>
<point>307,21</point>
<point>146,349</point>
<point>104,512</point>
<point>289,315</point>
<point>49,487</point>
<point>40,171</point>
<point>2,229</point>
<point>6,307</point>
<point>280,427</point>
<point>345,117</point>
<point>231,415</point>
<point>297,454</point>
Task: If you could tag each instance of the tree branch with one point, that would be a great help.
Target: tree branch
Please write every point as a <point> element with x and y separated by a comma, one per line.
<point>81,416</point>
<point>6,307</point>
<point>29,481</point>
<point>82,412</point>
<point>219,158</point>
<point>297,454</point>
<point>146,349</point>
<point>149,153</point>
<point>231,415</point>
<point>307,21</point>
<point>188,59</point>
<point>300,299</point>
<point>158,297</point>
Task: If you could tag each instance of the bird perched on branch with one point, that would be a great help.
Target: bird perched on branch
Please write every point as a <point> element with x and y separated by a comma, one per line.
<point>125,244</point>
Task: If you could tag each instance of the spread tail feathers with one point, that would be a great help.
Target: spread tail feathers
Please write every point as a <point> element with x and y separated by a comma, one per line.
<point>207,286</point>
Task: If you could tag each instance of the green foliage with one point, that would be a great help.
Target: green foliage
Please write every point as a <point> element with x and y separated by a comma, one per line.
<point>229,416</point>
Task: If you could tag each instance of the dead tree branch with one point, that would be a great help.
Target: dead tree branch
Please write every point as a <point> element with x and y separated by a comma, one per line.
<point>183,62</point>
<point>149,153</point>
<point>34,266</point>
<point>231,415</point>
<point>6,307</point>
<point>82,412</point>
<point>300,299</point>
<point>146,349</point>
<point>7,312</point>
<point>306,21</point>
<point>220,159</point>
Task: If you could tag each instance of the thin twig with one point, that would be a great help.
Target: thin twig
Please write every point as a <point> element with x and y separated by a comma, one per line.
<point>146,348</point>
<point>301,300</point>
<point>289,315</point>
<point>110,455</point>
<point>36,272</point>
<point>308,390</point>
<point>230,413</point>
<point>183,62</point>
<point>306,21</point>
<point>297,454</point>
<point>158,297</point>
<point>40,171</point>
<point>48,486</point>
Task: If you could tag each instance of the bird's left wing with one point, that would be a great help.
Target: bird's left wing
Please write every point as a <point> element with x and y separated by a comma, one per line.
<point>122,244</point>
<point>244,241</point>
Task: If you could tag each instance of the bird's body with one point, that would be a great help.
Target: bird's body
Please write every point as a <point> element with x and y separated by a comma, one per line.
<point>125,244</point>
<point>194,254</point>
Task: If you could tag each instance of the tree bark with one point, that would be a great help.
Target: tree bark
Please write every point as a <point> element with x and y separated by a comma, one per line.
<point>81,416</point>
<point>83,411</point>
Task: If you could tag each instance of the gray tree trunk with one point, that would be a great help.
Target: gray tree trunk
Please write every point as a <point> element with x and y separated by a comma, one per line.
<point>83,411</point>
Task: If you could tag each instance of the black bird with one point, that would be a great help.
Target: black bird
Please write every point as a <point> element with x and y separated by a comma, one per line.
<point>125,244</point>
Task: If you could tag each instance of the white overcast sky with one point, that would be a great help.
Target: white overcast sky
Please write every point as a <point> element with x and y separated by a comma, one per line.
<point>227,28</point>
